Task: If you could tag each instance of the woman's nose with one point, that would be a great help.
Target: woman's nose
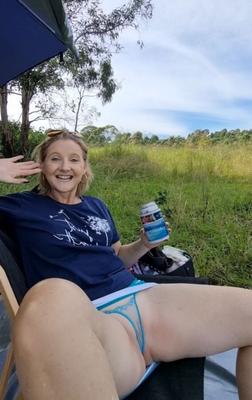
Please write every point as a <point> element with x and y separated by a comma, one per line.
<point>65,165</point>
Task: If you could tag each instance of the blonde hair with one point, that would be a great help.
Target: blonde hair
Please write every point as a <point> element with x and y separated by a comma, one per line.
<point>40,153</point>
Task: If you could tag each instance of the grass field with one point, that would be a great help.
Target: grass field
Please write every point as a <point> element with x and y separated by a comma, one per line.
<point>205,193</point>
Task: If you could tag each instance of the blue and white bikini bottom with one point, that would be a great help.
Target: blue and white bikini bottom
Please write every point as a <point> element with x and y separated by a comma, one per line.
<point>112,304</point>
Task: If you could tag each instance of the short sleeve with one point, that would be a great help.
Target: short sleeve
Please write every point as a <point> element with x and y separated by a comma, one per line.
<point>115,234</point>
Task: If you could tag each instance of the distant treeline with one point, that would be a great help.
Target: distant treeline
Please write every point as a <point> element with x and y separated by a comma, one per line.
<point>99,136</point>
<point>109,133</point>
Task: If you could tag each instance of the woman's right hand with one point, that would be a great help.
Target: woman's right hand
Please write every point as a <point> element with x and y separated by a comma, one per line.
<point>12,171</point>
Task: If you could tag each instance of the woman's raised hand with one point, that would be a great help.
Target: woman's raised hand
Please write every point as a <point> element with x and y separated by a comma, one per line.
<point>12,171</point>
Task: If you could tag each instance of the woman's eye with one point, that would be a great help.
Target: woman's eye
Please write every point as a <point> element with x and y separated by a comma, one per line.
<point>74,159</point>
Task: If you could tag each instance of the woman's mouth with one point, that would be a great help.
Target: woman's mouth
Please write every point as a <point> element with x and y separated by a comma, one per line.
<point>64,177</point>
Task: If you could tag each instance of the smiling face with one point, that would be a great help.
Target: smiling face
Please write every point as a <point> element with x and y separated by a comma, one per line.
<point>64,167</point>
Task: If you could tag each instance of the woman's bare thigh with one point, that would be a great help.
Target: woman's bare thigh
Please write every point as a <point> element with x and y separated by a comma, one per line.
<point>184,320</point>
<point>119,342</point>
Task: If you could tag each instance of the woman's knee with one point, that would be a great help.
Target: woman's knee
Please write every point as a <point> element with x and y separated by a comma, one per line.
<point>48,307</point>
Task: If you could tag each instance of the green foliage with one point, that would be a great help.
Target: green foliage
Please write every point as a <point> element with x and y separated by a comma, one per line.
<point>204,137</point>
<point>137,138</point>
<point>204,193</point>
<point>162,200</point>
<point>118,161</point>
<point>34,138</point>
<point>199,138</point>
<point>96,37</point>
<point>99,136</point>
<point>39,79</point>
<point>107,84</point>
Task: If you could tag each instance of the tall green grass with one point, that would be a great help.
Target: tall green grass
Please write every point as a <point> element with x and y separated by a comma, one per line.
<point>206,196</point>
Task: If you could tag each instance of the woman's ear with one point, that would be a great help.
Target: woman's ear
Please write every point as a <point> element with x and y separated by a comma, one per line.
<point>84,177</point>
<point>85,168</point>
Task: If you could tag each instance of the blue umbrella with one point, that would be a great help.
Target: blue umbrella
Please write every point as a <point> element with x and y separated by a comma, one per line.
<point>31,31</point>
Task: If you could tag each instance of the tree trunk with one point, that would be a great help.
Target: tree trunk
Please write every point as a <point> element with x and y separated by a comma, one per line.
<point>25,125</point>
<point>81,95</point>
<point>6,134</point>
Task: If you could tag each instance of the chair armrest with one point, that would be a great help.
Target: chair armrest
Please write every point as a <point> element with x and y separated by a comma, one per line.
<point>172,279</point>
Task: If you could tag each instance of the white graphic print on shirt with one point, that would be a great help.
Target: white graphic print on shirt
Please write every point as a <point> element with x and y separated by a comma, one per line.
<point>90,223</point>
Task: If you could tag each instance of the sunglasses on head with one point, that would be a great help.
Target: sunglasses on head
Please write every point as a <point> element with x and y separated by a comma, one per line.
<point>56,132</point>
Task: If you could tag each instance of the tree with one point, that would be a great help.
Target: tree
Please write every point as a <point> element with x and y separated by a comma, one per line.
<point>137,138</point>
<point>123,138</point>
<point>7,139</point>
<point>199,137</point>
<point>41,79</point>
<point>154,139</point>
<point>97,38</point>
<point>88,80</point>
<point>99,135</point>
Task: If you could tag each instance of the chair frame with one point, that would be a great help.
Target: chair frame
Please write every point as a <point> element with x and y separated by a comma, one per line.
<point>12,306</point>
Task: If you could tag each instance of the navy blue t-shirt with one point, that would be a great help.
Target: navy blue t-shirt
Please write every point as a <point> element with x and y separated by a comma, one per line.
<point>70,241</point>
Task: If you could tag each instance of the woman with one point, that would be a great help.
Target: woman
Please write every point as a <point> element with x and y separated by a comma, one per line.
<point>64,347</point>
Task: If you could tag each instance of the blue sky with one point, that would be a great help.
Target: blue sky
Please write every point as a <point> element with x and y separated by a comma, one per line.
<point>195,70</point>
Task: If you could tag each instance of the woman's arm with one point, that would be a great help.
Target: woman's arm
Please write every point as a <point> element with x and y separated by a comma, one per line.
<point>12,171</point>
<point>130,253</point>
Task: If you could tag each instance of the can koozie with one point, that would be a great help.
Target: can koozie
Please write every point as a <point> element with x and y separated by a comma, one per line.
<point>153,222</point>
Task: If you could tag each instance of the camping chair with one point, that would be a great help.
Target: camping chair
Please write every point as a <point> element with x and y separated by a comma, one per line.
<point>12,289</point>
<point>179,380</point>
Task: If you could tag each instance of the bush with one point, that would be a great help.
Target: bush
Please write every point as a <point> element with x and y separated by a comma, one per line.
<point>35,137</point>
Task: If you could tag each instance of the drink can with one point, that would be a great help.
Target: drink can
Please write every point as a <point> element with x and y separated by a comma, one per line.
<point>153,223</point>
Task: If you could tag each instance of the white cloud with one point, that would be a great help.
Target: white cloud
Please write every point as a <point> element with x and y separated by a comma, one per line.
<point>196,60</point>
